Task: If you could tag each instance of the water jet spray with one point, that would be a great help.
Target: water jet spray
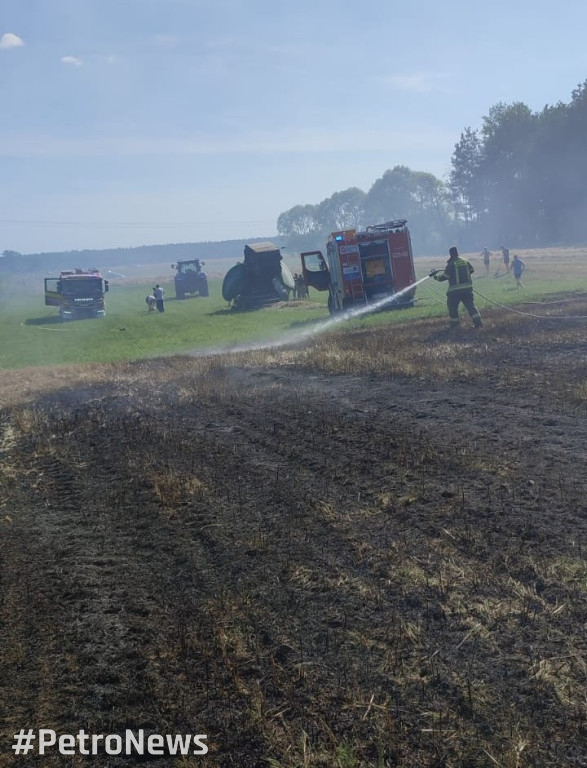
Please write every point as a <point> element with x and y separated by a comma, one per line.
<point>298,336</point>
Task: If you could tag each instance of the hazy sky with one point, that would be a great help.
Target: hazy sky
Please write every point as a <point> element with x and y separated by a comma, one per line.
<point>130,122</point>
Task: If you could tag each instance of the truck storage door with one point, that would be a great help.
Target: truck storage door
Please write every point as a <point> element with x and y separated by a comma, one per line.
<point>315,270</point>
<point>52,295</point>
<point>402,262</point>
<point>403,270</point>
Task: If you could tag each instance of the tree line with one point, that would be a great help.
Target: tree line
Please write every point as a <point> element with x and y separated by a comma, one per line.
<point>519,180</point>
<point>16,262</point>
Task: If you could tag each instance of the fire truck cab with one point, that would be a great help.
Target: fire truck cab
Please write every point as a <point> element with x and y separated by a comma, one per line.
<point>77,293</point>
<point>363,266</point>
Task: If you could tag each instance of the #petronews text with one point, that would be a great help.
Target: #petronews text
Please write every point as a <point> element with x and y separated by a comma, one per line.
<point>113,744</point>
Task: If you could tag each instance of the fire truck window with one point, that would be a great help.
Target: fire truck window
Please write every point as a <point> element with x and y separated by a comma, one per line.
<point>314,263</point>
<point>374,268</point>
<point>373,248</point>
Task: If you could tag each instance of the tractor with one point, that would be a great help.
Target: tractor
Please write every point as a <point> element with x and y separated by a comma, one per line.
<point>189,278</point>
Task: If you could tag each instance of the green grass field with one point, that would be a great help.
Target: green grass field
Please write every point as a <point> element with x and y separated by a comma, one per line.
<point>33,335</point>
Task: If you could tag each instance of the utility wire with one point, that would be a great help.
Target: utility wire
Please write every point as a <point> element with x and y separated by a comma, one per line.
<point>132,224</point>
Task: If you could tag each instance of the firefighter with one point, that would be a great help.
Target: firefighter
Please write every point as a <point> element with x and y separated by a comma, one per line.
<point>460,288</point>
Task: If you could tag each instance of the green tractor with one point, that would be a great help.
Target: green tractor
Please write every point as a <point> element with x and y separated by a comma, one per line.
<point>189,279</point>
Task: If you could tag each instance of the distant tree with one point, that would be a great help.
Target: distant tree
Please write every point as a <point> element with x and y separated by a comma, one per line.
<point>571,179</point>
<point>342,210</point>
<point>299,227</point>
<point>508,132</point>
<point>299,220</point>
<point>494,180</point>
<point>545,190</point>
<point>391,196</point>
<point>418,197</point>
<point>464,180</point>
<point>12,261</point>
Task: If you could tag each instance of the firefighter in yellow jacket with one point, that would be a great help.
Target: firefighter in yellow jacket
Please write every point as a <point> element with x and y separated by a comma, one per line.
<point>458,272</point>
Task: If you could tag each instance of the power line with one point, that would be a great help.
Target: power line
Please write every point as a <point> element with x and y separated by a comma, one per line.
<point>133,224</point>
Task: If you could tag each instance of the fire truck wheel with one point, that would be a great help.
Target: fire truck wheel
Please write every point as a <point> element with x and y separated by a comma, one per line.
<point>333,309</point>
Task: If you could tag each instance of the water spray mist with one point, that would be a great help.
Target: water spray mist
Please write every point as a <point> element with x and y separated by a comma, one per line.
<point>297,336</point>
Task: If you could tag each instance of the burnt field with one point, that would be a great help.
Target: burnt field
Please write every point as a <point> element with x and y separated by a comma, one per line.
<point>367,551</point>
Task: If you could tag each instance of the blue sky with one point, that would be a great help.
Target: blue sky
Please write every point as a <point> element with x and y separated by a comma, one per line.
<point>131,122</point>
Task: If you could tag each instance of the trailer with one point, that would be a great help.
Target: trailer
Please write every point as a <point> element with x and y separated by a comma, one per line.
<point>261,279</point>
<point>363,266</point>
<point>77,293</point>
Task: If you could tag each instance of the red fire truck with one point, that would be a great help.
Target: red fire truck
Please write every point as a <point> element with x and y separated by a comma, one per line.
<point>77,293</point>
<point>363,266</point>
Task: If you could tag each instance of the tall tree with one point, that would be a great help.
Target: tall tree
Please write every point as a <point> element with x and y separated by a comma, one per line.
<point>508,132</point>
<point>546,189</point>
<point>342,210</point>
<point>391,196</point>
<point>574,167</point>
<point>419,197</point>
<point>299,227</point>
<point>299,220</point>
<point>464,181</point>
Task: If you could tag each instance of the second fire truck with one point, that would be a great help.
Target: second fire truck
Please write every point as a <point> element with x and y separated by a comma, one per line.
<point>77,293</point>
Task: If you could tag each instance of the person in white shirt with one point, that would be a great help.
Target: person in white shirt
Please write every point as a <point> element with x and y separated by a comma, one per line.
<point>158,293</point>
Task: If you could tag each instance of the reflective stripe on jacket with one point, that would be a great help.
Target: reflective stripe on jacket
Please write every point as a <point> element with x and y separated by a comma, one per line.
<point>458,273</point>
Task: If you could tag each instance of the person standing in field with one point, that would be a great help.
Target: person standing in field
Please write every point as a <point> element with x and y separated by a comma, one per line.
<point>486,253</point>
<point>505,252</point>
<point>458,272</point>
<point>158,292</point>
<point>302,288</point>
<point>518,267</point>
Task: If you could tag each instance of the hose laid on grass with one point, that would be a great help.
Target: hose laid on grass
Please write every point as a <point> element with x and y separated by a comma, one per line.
<point>529,314</point>
<point>560,301</point>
